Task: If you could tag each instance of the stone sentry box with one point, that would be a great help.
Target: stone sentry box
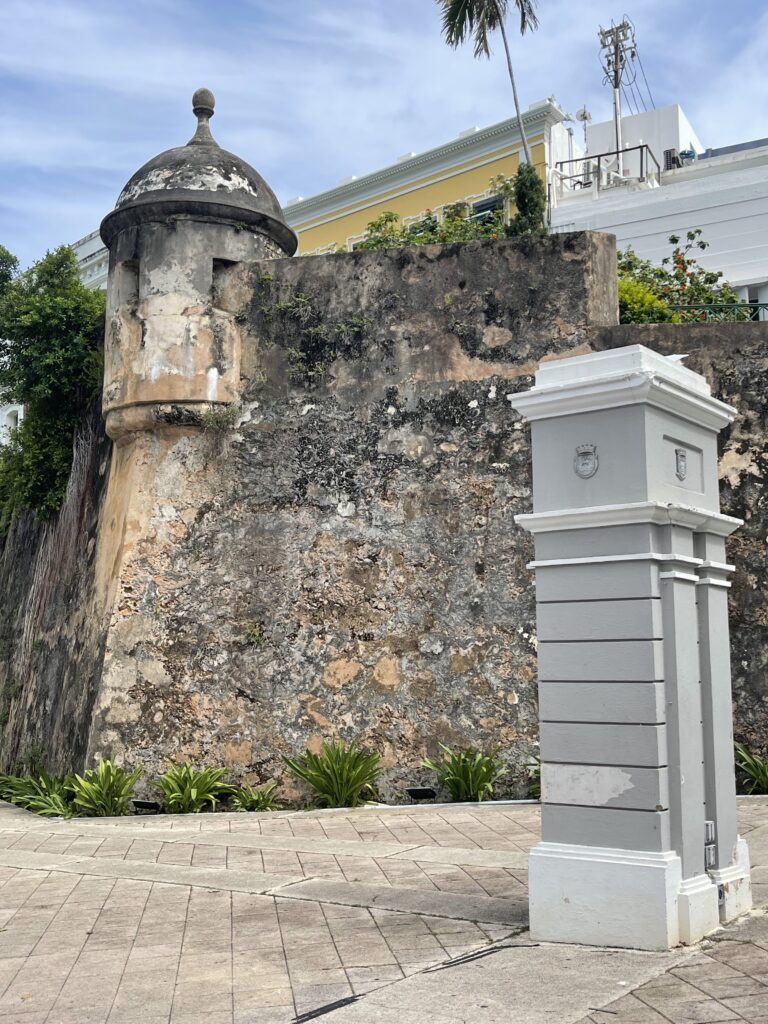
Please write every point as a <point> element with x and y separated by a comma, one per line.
<point>639,844</point>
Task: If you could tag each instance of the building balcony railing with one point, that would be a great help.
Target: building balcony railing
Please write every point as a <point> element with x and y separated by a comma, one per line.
<point>721,312</point>
<point>598,172</point>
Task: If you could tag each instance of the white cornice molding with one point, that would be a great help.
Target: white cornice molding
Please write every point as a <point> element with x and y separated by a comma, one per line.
<point>623,389</point>
<point>621,377</point>
<point>656,513</point>
<point>401,173</point>
<point>667,558</point>
<point>615,391</point>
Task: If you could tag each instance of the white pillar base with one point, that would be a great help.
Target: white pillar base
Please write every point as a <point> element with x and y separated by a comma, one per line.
<point>735,884</point>
<point>604,897</point>
<point>698,911</point>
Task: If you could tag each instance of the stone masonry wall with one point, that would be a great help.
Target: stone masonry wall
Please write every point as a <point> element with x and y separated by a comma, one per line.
<point>734,359</point>
<point>339,556</point>
<point>345,562</point>
<point>52,628</point>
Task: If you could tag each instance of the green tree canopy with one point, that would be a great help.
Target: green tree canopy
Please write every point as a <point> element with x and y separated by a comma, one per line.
<point>51,342</point>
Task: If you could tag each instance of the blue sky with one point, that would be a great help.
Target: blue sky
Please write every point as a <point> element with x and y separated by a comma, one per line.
<point>311,91</point>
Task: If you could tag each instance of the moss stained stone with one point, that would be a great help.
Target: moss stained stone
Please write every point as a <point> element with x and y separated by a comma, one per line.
<point>358,521</point>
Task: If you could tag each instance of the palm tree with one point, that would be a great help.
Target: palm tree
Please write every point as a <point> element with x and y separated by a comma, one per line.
<point>478,18</point>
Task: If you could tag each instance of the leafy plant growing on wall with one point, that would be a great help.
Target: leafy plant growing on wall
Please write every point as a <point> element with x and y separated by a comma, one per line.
<point>531,202</point>
<point>525,189</point>
<point>189,790</point>
<point>467,774</point>
<point>104,791</point>
<point>341,775</point>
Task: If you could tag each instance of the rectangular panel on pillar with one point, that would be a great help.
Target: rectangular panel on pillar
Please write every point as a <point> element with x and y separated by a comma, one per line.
<point>624,468</point>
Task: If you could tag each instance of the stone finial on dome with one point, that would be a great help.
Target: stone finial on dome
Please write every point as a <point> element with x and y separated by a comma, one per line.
<point>203,103</point>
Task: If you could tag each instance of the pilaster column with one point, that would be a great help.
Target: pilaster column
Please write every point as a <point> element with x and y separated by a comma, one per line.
<point>624,473</point>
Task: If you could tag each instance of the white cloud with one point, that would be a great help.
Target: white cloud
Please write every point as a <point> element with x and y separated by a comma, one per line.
<point>311,92</point>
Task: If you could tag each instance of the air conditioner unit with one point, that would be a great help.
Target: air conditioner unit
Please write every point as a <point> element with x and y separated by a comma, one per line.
<point>671,159</point>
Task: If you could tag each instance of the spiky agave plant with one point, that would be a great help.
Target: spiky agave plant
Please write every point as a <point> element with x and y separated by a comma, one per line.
<point>256,798</point>
<point>44,794</point>
<point>190,790</point>
<point>341,775</point>
<point>753,769</point>
<point>104,791</point>
<point>467,774</point>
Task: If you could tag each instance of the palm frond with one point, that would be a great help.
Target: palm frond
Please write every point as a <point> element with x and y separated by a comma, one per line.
<point>462,19</point>
<point>528,16</point>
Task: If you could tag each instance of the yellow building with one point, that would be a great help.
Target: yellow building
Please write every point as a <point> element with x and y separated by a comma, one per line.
<point>457,171</point>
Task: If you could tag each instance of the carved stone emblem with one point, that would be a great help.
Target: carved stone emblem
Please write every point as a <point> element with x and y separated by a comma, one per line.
<point>681,463</point>
<point>585,462</point>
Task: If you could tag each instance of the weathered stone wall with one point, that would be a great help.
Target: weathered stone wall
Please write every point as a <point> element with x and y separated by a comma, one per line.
<point>734,359</point>
<point>346,562</point>
<point>52,628</point>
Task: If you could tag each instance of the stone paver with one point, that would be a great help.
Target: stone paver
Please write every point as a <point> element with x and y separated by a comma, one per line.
<point>278,918</point>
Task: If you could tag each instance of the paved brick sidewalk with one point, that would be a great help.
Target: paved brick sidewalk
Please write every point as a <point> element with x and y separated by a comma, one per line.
<point>268,919</point>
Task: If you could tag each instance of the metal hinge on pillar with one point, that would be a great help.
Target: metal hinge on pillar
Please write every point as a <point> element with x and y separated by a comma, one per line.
<point>710,849</point>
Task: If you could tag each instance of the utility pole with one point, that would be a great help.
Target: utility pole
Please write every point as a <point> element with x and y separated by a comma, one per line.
<point>617,46</point>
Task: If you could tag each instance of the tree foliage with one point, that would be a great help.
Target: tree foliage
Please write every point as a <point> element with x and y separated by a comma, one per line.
<point>639,304</point>
<point>51,342</point>
<point>647,291</point>
<point>531,201</point>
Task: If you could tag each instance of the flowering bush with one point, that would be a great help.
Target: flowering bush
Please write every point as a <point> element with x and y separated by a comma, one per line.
<point>679,280</point>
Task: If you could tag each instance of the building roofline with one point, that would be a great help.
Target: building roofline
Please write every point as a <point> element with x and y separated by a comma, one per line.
<point>542,116</point>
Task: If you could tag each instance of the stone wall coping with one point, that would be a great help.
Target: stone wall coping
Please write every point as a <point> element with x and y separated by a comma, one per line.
<point>657,512</point>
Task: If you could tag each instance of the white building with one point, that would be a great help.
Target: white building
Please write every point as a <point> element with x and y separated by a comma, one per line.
<point>670,185</point>
<point>10,417</point>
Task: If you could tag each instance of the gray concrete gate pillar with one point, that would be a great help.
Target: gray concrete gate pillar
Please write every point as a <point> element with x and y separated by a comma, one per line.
<point>639,845</point>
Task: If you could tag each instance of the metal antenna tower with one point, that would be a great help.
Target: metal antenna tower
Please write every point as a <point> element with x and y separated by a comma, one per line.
<point>617,53</point>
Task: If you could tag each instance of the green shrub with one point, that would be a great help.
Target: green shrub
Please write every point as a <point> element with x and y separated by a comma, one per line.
<point>44,794</point>
<point>467,774</point>
<point>343,775</point>
<point>188,790</point>
<point>639,305</point>
<point>256,798</point>
<point>533,769</point>
<point>752,769</point>
<point>104,791</point>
